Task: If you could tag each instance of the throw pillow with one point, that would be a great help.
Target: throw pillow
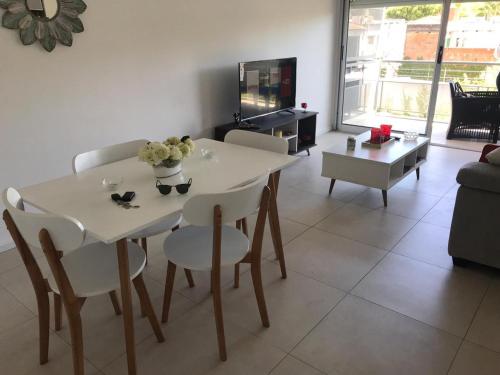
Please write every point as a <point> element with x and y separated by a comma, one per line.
<point>494,156</point>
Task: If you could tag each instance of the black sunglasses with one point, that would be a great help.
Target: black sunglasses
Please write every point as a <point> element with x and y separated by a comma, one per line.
<point>181,188</point>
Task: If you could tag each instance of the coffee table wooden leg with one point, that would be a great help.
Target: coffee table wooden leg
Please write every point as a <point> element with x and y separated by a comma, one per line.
<point>332,183</point>
<point>384,196</point>
<point>274,223</point>
<point>128,316</point>
<point>418,173</point>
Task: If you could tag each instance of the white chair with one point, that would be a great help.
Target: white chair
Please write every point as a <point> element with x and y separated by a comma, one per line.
<point>40,283</point>
<point>111,154</point>
<point>79,271</point>
<point>273,144</point>
<point>207,244</point>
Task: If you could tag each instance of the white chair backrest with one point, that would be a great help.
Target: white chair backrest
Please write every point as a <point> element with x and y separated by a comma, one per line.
<point>235,204</point>
<point>257,140</point>
<point>106,155</point>
<point>66,233</point>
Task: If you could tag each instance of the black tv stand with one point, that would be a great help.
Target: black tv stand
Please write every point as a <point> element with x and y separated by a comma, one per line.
<point>298,127</point>
<point>290,111</point>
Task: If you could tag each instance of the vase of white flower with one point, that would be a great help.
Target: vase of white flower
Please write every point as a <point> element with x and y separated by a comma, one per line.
<point>162,171</point>
<point>166,157</point>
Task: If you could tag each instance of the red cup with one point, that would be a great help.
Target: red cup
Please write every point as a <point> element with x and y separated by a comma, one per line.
<point>386,130</point>
<point>375,135</point>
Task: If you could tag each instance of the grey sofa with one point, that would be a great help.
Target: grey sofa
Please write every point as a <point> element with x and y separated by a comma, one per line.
<point>475,227</point>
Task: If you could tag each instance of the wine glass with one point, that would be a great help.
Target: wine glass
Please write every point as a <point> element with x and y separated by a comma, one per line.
<point>304,107</point>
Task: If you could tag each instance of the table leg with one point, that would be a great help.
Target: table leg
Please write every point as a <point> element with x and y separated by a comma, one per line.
<point>384,196</point>
<point>128,315</point>
<point>274,223</point>
<point>332,183</point>
<point>418,173</point>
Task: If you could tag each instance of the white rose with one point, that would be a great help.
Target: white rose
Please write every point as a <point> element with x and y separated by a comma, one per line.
<point>175,153</point>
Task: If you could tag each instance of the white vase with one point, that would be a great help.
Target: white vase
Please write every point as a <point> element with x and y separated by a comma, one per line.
<point>163,172</point>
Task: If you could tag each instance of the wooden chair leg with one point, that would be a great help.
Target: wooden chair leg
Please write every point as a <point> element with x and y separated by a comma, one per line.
<point>144,245</point>
<point>57,312</point>
<point>219,320</point>
<point>44,325</point>
<point>75,327</point>
<point>140,287</point>
<point>169,287</point>
<point>237,275</point>
<point>276,231</point>
<point>237,265</point>
<point>114,301</point>
<point>189,277</point>
<point>259,292</point>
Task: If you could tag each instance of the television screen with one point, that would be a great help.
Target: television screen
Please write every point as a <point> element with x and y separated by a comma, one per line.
<point>267,86</point>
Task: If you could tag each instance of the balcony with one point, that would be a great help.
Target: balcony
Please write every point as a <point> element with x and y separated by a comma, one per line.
<point>398,92</point>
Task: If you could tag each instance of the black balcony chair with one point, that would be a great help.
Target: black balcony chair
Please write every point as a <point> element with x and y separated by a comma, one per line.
<point>474,114</point>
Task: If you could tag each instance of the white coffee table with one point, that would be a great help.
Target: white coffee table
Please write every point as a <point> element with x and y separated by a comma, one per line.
<point>376,168</point>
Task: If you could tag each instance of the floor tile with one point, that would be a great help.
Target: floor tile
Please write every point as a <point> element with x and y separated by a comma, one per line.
<point>343,191</point>
<point>292,366</point>
<point>441,214</point>
<point>9,259</point>
<point>473,359</point>
<point>445,299</point>
<point>304,207</point>
<point>402,202</point>
<point>428,243</point>
<point>430,183</point>
<point>373,227</point>
<point>103,331</point>
<point>331,259</point>
<point>289,231</point>
<point>18,283</point>
<point>452,193</point>
<point>359,337</point>
<point>191,348</point>
<point>19,353</point>
<point>295,305</point>
<point>12,312</point>
<point>157,270</point>
<point>485,329</point>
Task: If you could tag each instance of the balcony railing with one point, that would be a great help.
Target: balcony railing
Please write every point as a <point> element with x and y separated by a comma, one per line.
<point>402,87</point>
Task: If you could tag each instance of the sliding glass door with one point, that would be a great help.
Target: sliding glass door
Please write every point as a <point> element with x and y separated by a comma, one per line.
<point>471,57</point>
<point>399,57</point>
<point>389,66</point>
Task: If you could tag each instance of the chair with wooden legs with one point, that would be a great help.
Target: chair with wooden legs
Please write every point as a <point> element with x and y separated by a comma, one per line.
<point>78,270</point>
<point>40,283</point>
<point>189,247</point>
<point>273,144</point>
<point>111,154</point>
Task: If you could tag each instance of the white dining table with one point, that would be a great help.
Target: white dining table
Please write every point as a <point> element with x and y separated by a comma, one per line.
<point>83,197</point>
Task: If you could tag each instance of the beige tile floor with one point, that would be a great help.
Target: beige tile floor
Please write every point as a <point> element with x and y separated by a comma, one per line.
<point>371,290</point>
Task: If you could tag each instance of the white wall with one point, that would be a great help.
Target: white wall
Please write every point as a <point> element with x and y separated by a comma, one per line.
<point>150,69</point>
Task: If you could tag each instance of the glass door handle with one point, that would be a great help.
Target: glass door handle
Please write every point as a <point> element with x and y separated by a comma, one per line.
<point>440,55</point>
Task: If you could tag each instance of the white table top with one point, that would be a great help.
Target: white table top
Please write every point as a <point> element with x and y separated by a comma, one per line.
<point>388,154</point>
<point>82,196</point>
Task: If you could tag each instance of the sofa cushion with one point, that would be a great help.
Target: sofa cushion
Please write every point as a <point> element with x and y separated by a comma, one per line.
<point>480,176</point>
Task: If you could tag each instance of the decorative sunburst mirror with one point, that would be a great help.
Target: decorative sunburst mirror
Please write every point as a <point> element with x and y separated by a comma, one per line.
<point>47,21</point>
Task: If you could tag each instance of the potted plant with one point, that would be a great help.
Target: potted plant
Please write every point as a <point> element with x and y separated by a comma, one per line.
<point>166,157</point>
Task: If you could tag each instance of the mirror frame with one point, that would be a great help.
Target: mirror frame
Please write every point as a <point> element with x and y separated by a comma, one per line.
<point>48,32</point>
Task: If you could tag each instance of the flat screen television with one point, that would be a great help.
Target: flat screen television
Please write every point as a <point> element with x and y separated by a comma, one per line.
<point>267,86</point>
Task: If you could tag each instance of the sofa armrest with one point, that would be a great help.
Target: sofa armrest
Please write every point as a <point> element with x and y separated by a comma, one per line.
<point>480,176</point>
